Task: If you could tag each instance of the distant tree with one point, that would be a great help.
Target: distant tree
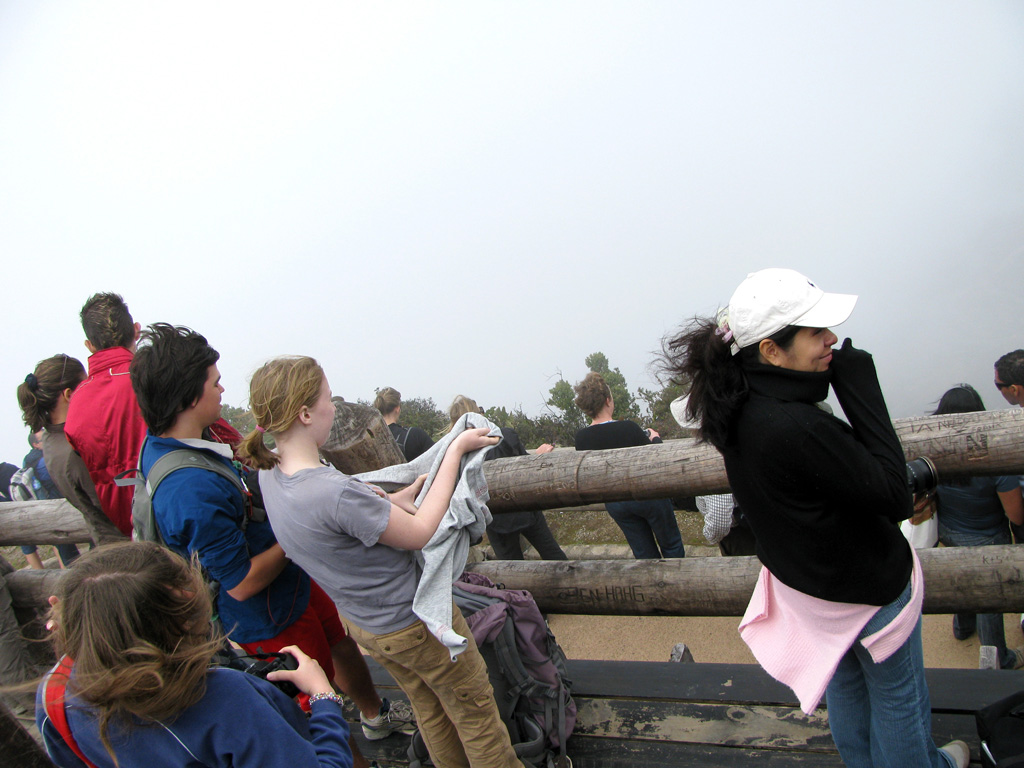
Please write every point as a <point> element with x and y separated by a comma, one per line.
<point>532,431</point>
<point>239,418</point>
<point>423,412</point>
<point>564,413</point>
<point>658,404</point>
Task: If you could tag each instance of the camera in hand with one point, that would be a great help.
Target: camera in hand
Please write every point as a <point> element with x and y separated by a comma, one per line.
<point>260,664</point>
<point>922,476</point>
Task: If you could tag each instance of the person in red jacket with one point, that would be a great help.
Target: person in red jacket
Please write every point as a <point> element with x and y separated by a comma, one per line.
<point>104,423</point>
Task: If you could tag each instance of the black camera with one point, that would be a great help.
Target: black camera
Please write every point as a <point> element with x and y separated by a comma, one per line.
<point>921,475</point>
<point>260,664</point>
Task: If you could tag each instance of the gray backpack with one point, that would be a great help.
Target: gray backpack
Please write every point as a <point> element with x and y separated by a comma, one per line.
<point>143,520</point>
<point>25,486</point>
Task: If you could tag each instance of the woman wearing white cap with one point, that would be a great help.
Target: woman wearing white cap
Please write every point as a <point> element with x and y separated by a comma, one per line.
<point>838,601</point>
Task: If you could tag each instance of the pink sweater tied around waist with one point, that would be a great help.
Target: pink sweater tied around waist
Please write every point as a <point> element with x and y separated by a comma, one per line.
<point>799,640</point>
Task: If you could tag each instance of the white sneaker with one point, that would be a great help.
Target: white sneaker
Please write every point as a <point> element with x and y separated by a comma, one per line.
<point>394,717</point>
<point>959,752</point>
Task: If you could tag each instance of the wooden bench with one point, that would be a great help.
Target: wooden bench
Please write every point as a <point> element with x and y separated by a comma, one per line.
<point>664,715</point>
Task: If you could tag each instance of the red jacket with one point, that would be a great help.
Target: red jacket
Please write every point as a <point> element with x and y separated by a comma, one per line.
<point>105,427</point>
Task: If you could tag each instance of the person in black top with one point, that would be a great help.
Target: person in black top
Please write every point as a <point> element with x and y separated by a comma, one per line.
<point>412,441</point>
<point>838,602</point>
<point>650,525</point>
<point>504,531</point>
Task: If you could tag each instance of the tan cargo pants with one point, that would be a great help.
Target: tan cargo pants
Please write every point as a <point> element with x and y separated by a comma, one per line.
<point>453,701</point>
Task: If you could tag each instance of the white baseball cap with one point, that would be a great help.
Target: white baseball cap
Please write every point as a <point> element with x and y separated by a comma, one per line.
<point>771,299</point>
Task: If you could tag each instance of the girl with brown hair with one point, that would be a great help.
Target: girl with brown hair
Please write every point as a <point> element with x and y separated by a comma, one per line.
<point>649,525</point>
<point>131,624</point>
<point>45,397</point>
<point>358,543</point>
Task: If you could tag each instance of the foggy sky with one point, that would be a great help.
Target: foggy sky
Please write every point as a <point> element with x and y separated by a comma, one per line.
<point>472,197</point>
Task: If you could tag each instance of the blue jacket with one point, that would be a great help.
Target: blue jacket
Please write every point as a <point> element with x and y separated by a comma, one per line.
<point>199,511</point>
<point>241,721</point>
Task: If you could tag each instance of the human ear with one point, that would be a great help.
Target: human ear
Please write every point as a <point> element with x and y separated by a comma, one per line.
<point>89,346</point>
<point>769,352</point>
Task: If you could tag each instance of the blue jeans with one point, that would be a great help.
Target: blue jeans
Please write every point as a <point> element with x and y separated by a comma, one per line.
<point>647,526</point>
<point>989,625</point>
<point>68,552</point>
<point>880,714</point>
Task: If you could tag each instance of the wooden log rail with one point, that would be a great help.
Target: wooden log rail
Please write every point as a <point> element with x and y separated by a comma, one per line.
<point>960,445</point>
<point>961,579</point>
<point>986,443</point>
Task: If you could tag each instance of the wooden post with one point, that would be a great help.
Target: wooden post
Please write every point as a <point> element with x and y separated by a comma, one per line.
<point>960,445</point>
<point>17,745</point>
<point>31,589</point>
<point>360,441</point>
<point>957,579</point>
<point>16,665</point>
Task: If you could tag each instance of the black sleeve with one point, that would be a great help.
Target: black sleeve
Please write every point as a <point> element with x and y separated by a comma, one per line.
<point>509,446</point>
<point>635,434</point>
<point>855,382</point>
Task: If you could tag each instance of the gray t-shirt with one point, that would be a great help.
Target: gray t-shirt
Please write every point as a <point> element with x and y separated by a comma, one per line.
<point>330,524</point>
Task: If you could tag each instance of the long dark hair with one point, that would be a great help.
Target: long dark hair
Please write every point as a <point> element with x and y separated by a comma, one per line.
<point>700,356</point>
<point>963,398</point>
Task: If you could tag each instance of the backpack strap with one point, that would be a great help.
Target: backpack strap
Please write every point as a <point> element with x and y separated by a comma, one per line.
<point>187,458</point>
<point>403,439</point>
<point>56,685</point>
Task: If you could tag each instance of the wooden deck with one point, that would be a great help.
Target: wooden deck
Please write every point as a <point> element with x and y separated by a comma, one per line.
<point>665,715</point>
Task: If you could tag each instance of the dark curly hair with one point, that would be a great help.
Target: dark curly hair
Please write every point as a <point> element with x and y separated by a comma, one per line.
<point>592,393</point>
<point>168,373</point>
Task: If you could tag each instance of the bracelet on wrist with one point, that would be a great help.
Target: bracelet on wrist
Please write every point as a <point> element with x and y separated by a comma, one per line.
<point>328,696</point>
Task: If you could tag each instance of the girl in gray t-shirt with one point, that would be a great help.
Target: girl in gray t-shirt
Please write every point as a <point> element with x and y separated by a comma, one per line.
<point>357,542</point>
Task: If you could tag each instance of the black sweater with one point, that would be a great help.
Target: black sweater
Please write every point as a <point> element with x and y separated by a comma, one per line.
<point>824,499</point>
<point>612,434</point>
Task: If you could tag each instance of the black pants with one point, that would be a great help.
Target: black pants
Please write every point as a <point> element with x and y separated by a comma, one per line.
<point>508,547</point>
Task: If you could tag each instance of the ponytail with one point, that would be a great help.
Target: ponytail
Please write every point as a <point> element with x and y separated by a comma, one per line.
<point>702,358</point>
<point>255,451</point>
<point>277,392</point>
<point>41,390</point>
